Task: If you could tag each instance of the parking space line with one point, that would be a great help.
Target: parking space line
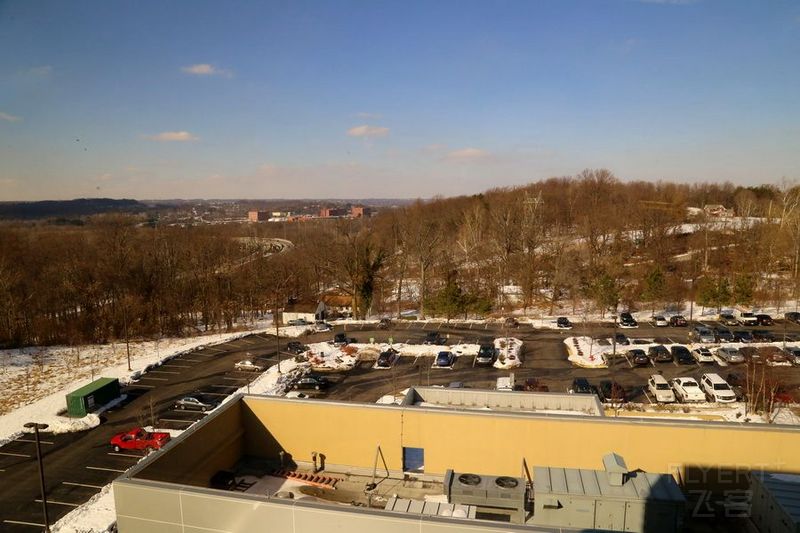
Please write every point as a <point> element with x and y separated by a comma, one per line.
<point>176,420</point>
<point>191,360</point>
<point>486,326</point>
<point>87,485</point>
<point>235,379</point>
<point>31,440</point>
<point>223,386</point>
<point>154,379</point>
<point>23,523</point>
<point>11,454</point>
<point>248,341</point>
<point>203,355</point>
<point>163,372</point>
<point>176,366</point>
<point>647,396</point>
<point>215,393</point>
<point>137,384</point>
<point>56,502</point>
<point>117,454</point>
<point>439,326</point>
<point>211,349</point>
<point>117,470</point>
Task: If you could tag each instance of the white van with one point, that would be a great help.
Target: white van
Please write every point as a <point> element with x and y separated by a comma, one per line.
<point>505,384</point>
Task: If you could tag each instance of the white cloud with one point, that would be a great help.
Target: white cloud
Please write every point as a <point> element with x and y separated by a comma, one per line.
<point>367,131</point>
<point>8,117</point>
<point>171,136</point>
<point>466,155</point>
<point>205,69</point>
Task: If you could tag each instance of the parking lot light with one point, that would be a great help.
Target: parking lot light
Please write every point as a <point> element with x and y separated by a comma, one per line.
<point>36,427</point>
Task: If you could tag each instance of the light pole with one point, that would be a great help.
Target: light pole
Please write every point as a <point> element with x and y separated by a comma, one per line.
<point>36,427</point>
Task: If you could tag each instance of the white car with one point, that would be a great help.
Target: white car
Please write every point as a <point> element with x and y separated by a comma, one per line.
<point>748,319</point>
<point>660,389</point>
<point>660,322</point>
<point>687,390</point>
<point>295,394</point>
<point>321,325</point>
<point>248,366</point>
<point>717,389</point>
<point>703,355</point>
<point>730,355</point>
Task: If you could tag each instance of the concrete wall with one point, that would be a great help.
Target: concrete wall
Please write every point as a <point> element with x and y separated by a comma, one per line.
<point>496,442</point>
<point>144,507</point>
<point>215,445</point>
<point>587,404</point>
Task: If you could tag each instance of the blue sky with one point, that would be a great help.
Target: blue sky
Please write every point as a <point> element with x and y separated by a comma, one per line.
<point>391,99</point>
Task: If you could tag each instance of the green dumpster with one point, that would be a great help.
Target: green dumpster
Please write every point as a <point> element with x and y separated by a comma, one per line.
<point>89,397</point>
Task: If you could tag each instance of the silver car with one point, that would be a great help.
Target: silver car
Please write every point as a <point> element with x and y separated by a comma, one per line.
<point>702,334</point>
<point>730,355</point>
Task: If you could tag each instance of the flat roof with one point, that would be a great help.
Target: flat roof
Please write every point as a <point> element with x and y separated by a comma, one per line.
<point>89,388</point>
<point>548,481</point>
<point>785,489</point>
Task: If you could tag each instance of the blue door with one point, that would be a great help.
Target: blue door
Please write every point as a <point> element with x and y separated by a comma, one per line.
<point>413,459</point>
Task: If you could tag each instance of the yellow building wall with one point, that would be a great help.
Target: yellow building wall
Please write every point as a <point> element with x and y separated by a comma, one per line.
<point>496,443</point>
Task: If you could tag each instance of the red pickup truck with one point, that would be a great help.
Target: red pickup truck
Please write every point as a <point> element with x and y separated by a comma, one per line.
<point>139,439</point>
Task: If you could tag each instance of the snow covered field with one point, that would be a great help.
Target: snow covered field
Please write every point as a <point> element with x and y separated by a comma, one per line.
<point>509,352</point>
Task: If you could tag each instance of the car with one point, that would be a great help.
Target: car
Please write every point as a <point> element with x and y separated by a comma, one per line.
<point>626,320</point>
<point>761,335</point>
<point>792,316</point>
<point>637,357</point>
<point>738,385</point>
<point>659,354</point>
<point>385,323</point>
<point>139,439</point>
<point>703,355</point>
<point>730,354</point>
<point>455,385</point>
<point>247,365</point>
<point>445,360</point>
<point>434,338</point>
<point>311,381</point>
<point>563,322</point>
<point>687,390</point>
<point>660,389</point>
<point>340,339</point>
<point>727,319</point>
<point>722,334</point>
<point>321,325</point>
<point>486,354</point>
<point>659,321</point>
<point>612,392</point>
<point>196,403</point>
<point>701,334</point>
<point>296,394</point>
<point>510,322</point>
<point>387,359</point>
<point>764,319</point>
<point>717,389</point>
<point>296,347</point>
<point>677,321</point>
<point>682,354</point>
<point>748,319</point>
<point>793,354</point>
<point>534,385</point>
<point>298,322</point>
<point>582,386</point>
<point>774,355</point>
<point>743,336</point>
<point>621,339</point>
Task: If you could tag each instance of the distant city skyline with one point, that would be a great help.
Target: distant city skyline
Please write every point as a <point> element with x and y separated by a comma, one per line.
<point>360,99</point>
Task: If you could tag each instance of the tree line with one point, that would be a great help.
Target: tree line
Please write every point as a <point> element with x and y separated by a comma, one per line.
<point>547,247</point>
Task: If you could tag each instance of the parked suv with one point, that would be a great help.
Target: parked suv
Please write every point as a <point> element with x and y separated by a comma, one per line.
<point>659,354</point>
<point>764,320</point>
<point>728,319</point>
<point>660,389</point>
<point>748,319</point>
<point>717,389</point>
<point>701,334</point>
<point>626,320</point>
<point>486,354</point>
<point>434,338</point>
<point>637,357</point>
<point>682,354</point>
<point>730,355</point>
<point>792,316</point>
<point>677,321</point>
<point>722,334</point>
<point>582,386</point>
<point>563,322</point>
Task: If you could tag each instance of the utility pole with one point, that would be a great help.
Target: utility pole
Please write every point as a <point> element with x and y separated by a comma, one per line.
<point>36,427</point>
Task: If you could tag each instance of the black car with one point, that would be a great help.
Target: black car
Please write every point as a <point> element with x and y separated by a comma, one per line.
<point>296,347</point>
<point>742,336</point>
<point>387,359</point>
<point>511,322</point>
<point>682,355</point>
<point>340,339</point>
<point>678,321</point>
<point>637,357</point>
<point>563,322</point>
<point>659,354</point>
<point>434,338</point>
<point>611,391</point>
<point>738,385</point>
<point>626,320</point>
<point>792,316</point>
<point>486,354</point>
<point>722,334</point>
<point>582,386</point>
<point>621,339</point>
<point>385,323</point>
<point>763,336</point>
<point>311,382</point>
<point>764,320</point>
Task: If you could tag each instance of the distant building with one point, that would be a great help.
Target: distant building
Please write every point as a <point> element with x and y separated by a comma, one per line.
<point>257,216</point>
<point>358,211</point>
<point>329,212</point>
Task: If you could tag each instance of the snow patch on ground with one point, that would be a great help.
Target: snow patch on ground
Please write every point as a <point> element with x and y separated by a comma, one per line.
<point>95,516</point>
<point>327,356</point>
<point>586,352</point>
<point>509,352</point>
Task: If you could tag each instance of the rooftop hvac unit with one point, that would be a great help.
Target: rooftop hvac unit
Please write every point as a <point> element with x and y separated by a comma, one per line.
<point>487,491</point>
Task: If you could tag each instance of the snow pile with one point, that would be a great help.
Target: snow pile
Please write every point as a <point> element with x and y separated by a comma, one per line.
<point>393,399</point>
<point>95,516</point>
<point>326,355</point>
<point>509,352</point>
<point>586,352</point>
<point>274,382</point>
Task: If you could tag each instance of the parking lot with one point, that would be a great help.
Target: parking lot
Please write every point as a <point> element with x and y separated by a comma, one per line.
<point>77,465</point>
